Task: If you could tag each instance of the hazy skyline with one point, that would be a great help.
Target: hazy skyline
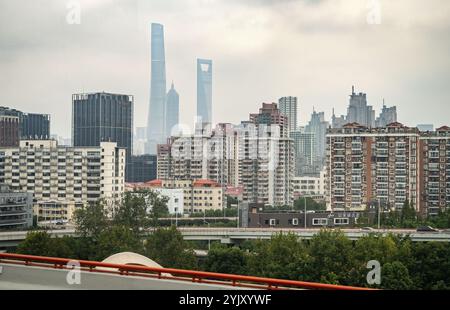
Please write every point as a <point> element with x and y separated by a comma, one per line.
<point>261,49</point>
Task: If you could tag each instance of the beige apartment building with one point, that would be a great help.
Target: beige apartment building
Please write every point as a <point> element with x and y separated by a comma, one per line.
<point>63,178</point>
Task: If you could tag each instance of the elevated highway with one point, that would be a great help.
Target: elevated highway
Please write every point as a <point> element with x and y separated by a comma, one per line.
<point>232,235</point>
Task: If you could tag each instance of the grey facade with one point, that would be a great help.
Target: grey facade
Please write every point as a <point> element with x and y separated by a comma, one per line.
<point>318,126</point>
<point>253,216</point>
<point>102,117</point>
<point>172,110</point>
<point>204,90</point>
<point>143,168</point>
<point>288,107</point>
<point>16,209</point>
<point>304,150</point>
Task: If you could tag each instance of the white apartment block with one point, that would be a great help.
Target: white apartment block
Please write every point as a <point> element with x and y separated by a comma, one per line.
<point>310,186</point>
<point>62,178</point>
<point>197,195</point>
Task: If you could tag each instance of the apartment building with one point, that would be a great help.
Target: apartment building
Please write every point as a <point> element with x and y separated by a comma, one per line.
<point>435,170</point>
<point>370,165</point>
<point>310,186</point>
<point>16,209</point>
<point>62,178</point>
<point>198,195</point>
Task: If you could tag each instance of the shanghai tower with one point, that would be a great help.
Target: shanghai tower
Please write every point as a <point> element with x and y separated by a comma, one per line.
<point>156,117</point>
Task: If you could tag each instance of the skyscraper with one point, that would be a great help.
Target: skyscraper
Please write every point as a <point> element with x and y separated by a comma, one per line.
<point>204,90</point>
<point>318,126</point>
<point>33,126</point>
<point>172,110</point>
<point>358,110</point>
<point>288,107</point>
<point>103,117</point>
<point>387,116</point>
<point>156,114</point>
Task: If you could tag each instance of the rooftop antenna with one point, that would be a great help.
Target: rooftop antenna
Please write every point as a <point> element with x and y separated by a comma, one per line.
<point>353,89</point>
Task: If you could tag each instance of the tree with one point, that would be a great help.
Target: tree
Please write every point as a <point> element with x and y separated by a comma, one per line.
<point>41,243</point>
<point>116,239</point>
<point>224,259</point>
<point>395,276</point>
<point>281,257</point>
<point>167,247</point>
<point>332,257</point>
<point>91,220</point>
<point>311,204</point>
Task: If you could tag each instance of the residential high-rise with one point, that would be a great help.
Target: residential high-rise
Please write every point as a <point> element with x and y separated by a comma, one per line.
<point>288,107</point>
<point>16,209</point>
<point>387,116</point>
<point>204,91</point>
<point>367,166</point>
<point>358,110</point>
<point>103,117</point>
<point>172,111</point>
<point>305,151</point>
<point>156,115</point>
<point>318,126</point>
<point>435,171</point>
<point>269,114</point>
<point>63,178</point>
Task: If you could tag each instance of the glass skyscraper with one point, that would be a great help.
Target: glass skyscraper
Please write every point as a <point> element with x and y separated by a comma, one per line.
<point>204,90</point>
<point>172,110</point>
<point>103,117</point>
<point>156,115</point>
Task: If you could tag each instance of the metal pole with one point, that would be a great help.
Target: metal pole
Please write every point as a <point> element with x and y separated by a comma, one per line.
<point>379,212</point>
<point>238,214</point>
<point>305,211</point>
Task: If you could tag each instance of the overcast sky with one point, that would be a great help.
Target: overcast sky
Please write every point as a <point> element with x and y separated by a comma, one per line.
<point>261,50</point>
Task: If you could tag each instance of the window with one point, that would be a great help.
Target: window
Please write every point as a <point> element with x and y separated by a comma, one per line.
<point>272,222</point>
<point>319,221</point>
<point>341,221</point>
<point>295,222</point>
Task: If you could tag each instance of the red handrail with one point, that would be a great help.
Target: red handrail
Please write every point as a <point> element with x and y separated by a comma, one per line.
<point>168,273</point>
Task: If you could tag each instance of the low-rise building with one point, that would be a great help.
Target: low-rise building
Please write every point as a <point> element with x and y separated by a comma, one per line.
<point>198,195</point>
<point>16,211</point>
<point>310,186</point>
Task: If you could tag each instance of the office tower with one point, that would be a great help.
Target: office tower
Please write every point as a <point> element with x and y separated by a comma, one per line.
<point>425,127</point>
<point>358,110</point>
<point>156,114</point>
<point>140,141</point>
<point>367,166</point>
<point>142,168</point>
<point>172,111</point>
<point>304,150</point>
<point>288,107</point>
<point>35,126</point>
<point>32,126</point>
<point>204,91</point>
<point>387,116</point>
<point>103,117</point>
<point>318,126</point>
<point>63,178</point>
<point>16,209</point>
<point>435,171</point>
<point>9,130</point>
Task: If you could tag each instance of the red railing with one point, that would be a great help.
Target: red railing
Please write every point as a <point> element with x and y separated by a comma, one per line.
<point>170,273</point>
